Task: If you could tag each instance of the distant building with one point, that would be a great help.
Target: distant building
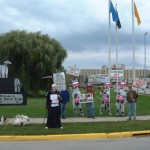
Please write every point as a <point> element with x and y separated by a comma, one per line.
<point>139,73</point>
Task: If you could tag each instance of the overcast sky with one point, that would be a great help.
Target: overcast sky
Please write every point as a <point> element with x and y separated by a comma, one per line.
<point>81,26</point>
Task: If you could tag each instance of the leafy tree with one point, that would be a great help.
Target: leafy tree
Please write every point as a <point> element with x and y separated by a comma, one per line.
<point>33,55</point>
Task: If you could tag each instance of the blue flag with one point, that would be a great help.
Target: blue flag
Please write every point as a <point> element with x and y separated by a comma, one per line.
<point>118,23</point>
<point>114,13</point>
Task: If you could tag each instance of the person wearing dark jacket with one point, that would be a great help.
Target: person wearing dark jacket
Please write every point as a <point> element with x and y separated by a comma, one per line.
<point>132,99</point>
<point>53,107</point>
<point>65,99</point>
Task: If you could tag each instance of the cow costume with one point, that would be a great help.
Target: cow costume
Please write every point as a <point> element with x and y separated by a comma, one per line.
<point>76,99</point>
<point>105,103</point>
<point>121,99</point>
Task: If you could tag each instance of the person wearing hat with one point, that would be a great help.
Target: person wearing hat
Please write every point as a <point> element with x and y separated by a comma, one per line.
<point>90,105</point>
<point>53,107</point>
<point>121,99</point>
<point>105,102</point>
<point>76,96</point>
<point>132,99</point>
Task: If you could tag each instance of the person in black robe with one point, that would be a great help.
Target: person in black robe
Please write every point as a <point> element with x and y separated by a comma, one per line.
<point>53,107</point>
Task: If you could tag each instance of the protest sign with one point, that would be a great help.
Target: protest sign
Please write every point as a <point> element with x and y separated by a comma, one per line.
<point>86,98</point>
<point>59,80</point>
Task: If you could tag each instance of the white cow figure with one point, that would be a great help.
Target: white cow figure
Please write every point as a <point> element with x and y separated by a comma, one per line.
<point>4,69</point>
<point>21,120</point>
<point>2,121</point>
<point>17,85</point>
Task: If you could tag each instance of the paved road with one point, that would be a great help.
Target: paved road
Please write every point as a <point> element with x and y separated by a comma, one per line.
<point>133,143</point>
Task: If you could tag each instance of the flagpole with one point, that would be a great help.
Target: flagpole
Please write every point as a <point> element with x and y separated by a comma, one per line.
<point>145,55</point>
<point>109,37</point>
<point>133,41</point>
<point>109,52</point>
<point>116,55</point>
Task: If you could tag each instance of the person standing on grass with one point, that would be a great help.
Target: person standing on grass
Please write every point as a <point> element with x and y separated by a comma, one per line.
<point>76,96</point>
<point>121,99</point>
<point>53,107</point>
<point>105,103</point>
<point>90,105</point>
<point>132,99</point>
<point>65,99</point>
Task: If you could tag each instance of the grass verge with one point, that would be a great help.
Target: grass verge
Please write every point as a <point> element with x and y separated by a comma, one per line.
<point>77,128</point>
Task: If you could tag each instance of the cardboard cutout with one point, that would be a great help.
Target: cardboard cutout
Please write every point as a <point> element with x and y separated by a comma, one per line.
<point>76,99</point>
<point>105,103</point>
<point>121,99</point>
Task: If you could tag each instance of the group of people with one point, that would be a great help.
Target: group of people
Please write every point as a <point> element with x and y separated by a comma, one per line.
<point>56,103</point>
<point>121,98</point>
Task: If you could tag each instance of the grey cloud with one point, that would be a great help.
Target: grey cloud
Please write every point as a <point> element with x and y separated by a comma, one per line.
<point>70,23</point>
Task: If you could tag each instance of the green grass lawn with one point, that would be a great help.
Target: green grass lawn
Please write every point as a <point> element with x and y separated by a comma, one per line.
<point>77,128</point>
<point>36,108</point>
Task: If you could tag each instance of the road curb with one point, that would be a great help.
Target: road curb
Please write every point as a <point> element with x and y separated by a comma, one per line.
<point>140,133</point>
<point>119,134</point>
<point>75,136</point>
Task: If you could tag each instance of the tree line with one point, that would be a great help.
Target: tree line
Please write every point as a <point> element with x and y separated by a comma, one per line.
<point>33,55</point>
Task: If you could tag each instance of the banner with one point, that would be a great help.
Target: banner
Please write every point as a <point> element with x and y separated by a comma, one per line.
<point>73,71</point>
<point>116,73</point>
<point>98,78</point>
<point>13,99</point>
<point>104,78</point>
<point>92,79</point>
<point>139,84</point>
<point>59,80</point>
<point>86,98</point>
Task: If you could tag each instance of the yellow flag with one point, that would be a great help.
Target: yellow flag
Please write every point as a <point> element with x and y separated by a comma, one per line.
<point>137,14</point>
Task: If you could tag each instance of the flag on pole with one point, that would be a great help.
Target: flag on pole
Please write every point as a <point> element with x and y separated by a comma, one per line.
<point>118,23</point>
<point>114,13</point>
<point>137,14</point>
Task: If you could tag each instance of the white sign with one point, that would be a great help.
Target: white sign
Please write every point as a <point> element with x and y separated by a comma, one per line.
<point>86,98</point>
<point>11,98</point>
<point>117,73</point>
<point>92,79</point>
<point>73,71</point>
<point>59,80</point>
<point>139,84</point>
<point>98,78</point>
<point>104,78</point>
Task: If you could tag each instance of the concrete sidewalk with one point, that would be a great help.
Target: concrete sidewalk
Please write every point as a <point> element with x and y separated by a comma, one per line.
<point>84,119</point>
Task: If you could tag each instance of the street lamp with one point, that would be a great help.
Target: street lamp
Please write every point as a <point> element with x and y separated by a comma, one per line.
<point>145,56</point>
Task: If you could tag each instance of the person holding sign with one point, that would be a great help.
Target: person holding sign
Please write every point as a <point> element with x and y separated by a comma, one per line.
<point>132,99</point>
<point>105,103</point>
<point>121,99</point>
<point>76,99</point>
<point>53,107</point>
<point>90,105</point>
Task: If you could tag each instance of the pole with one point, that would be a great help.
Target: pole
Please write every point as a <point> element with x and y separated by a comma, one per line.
<point>116,56</point>
<point>133,41</point>
<point>109,51</point>
<point>145,56</point>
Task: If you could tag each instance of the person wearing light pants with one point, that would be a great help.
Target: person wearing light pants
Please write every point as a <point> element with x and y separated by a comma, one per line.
<point>132,99</point>
<point>76,99</point>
